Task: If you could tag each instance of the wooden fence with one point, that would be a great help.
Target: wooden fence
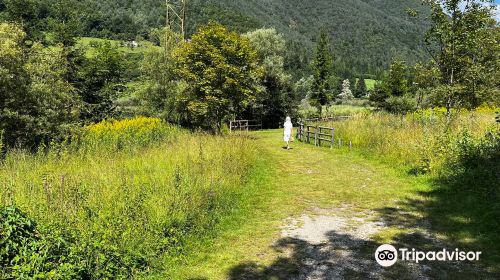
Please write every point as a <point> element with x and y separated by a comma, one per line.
<point>244,125</point>
<point>318,134</point>
<point>337,118</point>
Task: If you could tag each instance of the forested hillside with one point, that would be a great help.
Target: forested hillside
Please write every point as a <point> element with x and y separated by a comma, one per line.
<point>365,34</point>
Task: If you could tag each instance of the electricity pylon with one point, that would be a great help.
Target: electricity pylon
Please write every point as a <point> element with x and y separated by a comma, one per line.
<point>176,16</point>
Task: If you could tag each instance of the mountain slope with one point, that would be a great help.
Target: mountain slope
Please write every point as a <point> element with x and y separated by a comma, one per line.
<point>366,34</point>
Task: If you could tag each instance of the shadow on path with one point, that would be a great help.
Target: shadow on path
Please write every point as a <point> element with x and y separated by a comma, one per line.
<point>341,257</point>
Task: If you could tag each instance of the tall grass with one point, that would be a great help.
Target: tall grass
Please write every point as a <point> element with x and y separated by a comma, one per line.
<point>357,107</point>
<point>127,197</point>
<point>423,140</point>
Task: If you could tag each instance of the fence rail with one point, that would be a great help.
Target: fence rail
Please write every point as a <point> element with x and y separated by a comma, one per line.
<point>308,133</point>
<point>244,125</point>
<point>337,118</point>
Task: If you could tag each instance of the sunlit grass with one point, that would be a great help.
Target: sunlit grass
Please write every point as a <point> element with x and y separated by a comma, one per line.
<point>129,192</point>
<point>423,140</point>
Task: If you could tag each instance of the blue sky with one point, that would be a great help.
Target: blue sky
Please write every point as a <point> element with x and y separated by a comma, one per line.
<point>497,10</point>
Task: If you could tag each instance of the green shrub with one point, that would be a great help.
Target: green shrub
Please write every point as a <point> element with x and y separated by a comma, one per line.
<point>475,163</point>
<point>401,105</point>
<point>27,253</point>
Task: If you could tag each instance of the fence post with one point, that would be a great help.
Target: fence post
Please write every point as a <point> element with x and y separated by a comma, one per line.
<point>316,136</point>
<point>230,126</point>
<point>350,144</point>
<point>302,132</point>
<point>340,142</point>
<point>333,138</point>
<point>308,131</point>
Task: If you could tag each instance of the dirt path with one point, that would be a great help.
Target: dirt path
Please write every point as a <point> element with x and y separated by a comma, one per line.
<point>321,214</point>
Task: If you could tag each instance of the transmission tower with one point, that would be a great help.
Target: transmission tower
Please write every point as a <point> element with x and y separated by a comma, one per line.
<point>176,16</point>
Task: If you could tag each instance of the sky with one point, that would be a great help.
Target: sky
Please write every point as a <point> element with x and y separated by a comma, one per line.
<point>496,11</point>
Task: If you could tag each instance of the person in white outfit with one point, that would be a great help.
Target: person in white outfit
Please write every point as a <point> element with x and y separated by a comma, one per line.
<point>288,132</point>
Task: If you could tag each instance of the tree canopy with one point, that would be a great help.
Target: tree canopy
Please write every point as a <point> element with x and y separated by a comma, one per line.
<point>221,69</point>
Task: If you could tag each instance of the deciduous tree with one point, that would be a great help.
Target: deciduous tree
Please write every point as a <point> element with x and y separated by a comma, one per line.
<point>277,100</point>
<point>221,69</point>
<point>464,42</point>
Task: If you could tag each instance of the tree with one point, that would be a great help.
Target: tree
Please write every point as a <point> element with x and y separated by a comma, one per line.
<point>395,82</point>
<point>56,103</point>
<point>277,100</point>
<point>393,94</point>
<point>303,87</point>
<point>36,103</point>
<point>65,21</point>
<point>162,92</point>
<point>221,69</point>
<point>361,89</point>
<point>14,98</point>
<point>464,43</point>
<point>322,72</point>
<point>24,13</point>
<point>100,81</point>
<point>346,93</point>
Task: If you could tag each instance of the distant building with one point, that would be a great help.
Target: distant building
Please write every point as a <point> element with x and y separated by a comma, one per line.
<point>131,44</point>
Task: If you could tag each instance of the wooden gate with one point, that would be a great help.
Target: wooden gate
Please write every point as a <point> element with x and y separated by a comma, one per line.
<point>244,125</point>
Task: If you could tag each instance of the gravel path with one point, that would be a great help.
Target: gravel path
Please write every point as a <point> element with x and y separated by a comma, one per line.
<point>337,244</point>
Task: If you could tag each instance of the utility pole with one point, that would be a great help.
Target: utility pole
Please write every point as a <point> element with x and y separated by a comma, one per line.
<point>176,16</point>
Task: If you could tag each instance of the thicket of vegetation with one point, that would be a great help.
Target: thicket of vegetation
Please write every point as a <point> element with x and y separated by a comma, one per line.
<point>119,203</point>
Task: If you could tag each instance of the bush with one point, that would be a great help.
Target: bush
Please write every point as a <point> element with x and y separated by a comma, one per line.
<point>475,163</point>
<point>401,105</point>
<point>116,135</point>
<point>25,252</point>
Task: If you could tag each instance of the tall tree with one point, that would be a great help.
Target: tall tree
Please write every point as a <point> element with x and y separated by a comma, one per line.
<point>162,91</point>
<point>395,82</point>
<point>464,42</point>
<point>99,81</point>
<point>322,64</point>
<point>222,71</point>
<point>361,89</point>
<point>277,100</point>
<point>65,21</point>
<point>36,103</point>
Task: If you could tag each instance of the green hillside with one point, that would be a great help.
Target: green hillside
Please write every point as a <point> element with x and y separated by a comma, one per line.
<point>365,34</point>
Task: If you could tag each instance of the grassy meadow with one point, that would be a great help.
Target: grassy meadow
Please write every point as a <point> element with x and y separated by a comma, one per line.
<point>143,46</point>
<point>423,141</point>
<point>370,83</point>
<point>457,159</point>
<point>122,197</point>
<point>139,198</point>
